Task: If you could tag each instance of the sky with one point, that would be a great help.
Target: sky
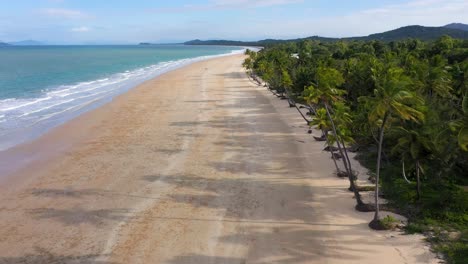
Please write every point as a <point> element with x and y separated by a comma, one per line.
<point>129,22</point>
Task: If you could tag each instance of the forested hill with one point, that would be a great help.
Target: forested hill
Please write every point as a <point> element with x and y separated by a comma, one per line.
<point>457,26</point>
<point>3,44</point>
<point>417,32</point>
<point>264,42</point>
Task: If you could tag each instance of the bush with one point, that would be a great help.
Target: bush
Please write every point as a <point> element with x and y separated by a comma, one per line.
<point>389,222</point>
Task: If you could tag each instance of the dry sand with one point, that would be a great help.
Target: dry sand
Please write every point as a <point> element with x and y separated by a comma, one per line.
<point>197,166</point>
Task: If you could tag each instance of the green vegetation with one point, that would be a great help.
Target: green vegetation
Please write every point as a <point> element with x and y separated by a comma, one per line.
<point>389,222</point>
<point>404,105</point>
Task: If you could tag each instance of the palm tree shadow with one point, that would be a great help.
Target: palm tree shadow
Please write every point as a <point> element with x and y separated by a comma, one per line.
<point>42,256</point>
<point>78,216</point>
<point>244,198</point>
<point>294,244</point>
<point>67,192</point>
<point>194,258</point>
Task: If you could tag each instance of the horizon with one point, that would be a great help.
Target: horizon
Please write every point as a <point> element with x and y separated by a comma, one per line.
<point>72,22</point>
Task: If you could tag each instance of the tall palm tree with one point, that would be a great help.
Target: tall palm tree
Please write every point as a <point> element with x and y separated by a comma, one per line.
<point>392,99</point>
<point>326,92</point>
<point>342,116</point>
<point>321,122</point>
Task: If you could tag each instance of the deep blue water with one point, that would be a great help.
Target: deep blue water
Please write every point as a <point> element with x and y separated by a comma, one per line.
<point>44,86</point>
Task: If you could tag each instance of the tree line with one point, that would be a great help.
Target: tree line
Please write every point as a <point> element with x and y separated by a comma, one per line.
<point>403,105</point>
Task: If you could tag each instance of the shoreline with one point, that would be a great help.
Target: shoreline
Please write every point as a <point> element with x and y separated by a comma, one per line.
<point>196,166</point>
<point>65,102</point>
<point>19,157</point>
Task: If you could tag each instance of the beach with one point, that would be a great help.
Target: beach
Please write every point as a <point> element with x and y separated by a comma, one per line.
<point>198,165</point>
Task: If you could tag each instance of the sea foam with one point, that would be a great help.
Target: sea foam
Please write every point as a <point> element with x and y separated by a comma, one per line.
<point>24,119</point>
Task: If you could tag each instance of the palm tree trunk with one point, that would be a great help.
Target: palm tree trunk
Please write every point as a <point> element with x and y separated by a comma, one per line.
<point>377,177</point>
<point>312,110</point>
<point>404,172</point>
<point>303,116</point>
<point>418,181</point>
<point>333,156</point>
<point>352,183</point>
<point>345,162</point>
<point>288,96</point>
<point>346,155</point>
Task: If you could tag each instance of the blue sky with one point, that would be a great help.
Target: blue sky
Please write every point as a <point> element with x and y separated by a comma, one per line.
<point>124,21</point>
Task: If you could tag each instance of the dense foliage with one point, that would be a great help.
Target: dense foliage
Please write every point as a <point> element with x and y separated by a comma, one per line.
<point>404,104</point>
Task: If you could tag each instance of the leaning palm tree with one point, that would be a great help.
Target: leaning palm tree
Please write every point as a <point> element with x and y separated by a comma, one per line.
<point>326,93</point>
<point>342,116</point>
<point>321,122</point>
<point>392,99</point>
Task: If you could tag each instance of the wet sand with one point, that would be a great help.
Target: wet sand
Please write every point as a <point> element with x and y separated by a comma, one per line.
<point>196,166</point>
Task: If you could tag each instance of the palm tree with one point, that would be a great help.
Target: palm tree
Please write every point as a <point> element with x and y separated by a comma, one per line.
<point>321,122</point>
<point>287,83</point>
<point>326,92</point>
<point>415,146</point>
<point>342,116</point>
<point>392,99</point>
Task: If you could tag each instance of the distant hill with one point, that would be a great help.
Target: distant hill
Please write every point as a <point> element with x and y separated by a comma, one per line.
<point>27,43</point>
<point>417,32</point>
<point>221,42</point>
<point>264,42</point>
<point>457,26</point>
<point>4,44</point>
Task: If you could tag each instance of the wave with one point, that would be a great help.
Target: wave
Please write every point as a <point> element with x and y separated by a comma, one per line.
<point>20,119</point>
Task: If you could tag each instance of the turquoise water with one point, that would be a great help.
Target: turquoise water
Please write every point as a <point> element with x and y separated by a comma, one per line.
<point>44,86</point>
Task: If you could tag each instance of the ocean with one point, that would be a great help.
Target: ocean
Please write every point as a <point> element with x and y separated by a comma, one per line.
<point>42,87</point>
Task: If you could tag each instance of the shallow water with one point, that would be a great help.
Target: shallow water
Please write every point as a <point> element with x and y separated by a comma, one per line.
<point>44,86</point>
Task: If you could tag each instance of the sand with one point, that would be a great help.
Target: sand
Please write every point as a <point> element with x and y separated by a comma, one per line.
<point>196,166</point>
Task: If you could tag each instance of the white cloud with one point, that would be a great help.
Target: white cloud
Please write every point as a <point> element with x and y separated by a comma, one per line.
<point>81,29</point>
<point>417,12</point>
<point>63,13</point>
<point>367,21</point>
<point>250,3</point>
<point>227,4</point>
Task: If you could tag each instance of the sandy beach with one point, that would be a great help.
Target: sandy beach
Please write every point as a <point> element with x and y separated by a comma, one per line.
<point>199,165</point>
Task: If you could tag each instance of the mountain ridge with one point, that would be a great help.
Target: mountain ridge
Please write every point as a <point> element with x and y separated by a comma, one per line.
<point>412,31</point>
<point>460,26</point>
